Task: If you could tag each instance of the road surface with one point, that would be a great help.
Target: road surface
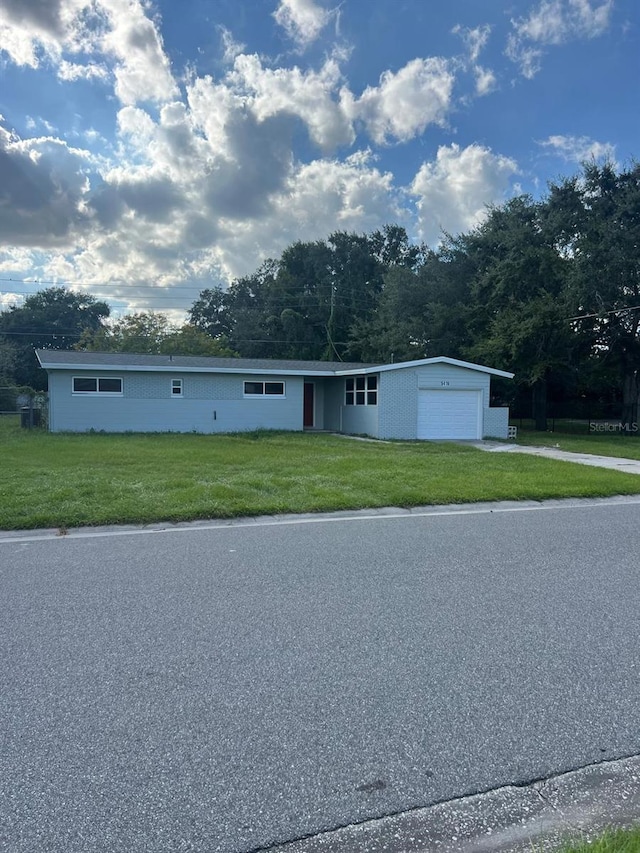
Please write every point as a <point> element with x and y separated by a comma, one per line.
<point>225,688</point>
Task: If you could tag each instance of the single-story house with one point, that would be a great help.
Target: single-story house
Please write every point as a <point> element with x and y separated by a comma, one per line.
<point>431,398</point>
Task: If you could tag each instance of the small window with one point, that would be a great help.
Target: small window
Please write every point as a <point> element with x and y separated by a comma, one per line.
<point>82,384</point>
<point>176,387</point>
<point>110,386</point>
<point>97,385</point>
<point>361,391</point>
<point>372,390</point>
<point>264,389</point>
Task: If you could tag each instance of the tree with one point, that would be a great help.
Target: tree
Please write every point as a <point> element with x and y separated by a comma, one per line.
<point>304,304</point>
<point>598,220</point>
<point>150,332</point>
<point>54,318</point>
<point>189,340</point>
<point>142,332</point>
<point>7,362</point>
<point>521,298</point>
<point>210,313</point>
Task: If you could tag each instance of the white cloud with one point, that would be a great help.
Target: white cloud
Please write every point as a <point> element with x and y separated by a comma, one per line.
<point>120,30</point>
<point>317,198</point>
<point>486,81</point>
<point>309,96</point>
<point>405,103</point>
<point>302,20</point>
<point>454,190</point>
<point>9,299</point>
<point>204,187</point>
<point>17,260</point>
<point>142,69</point>
<point>475,41</point>
<point>72,71</point>
<point>231,47</point>
<point>555,22</point>
<point>577,149</point>
<point>43,190</point>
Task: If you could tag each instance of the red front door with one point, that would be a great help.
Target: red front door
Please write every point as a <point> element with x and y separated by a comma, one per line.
<point>307,419</point>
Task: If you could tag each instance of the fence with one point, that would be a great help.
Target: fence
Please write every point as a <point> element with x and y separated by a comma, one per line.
<point>30,406</point>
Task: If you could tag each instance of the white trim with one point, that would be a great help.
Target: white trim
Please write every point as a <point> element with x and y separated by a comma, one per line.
<point>273,371</point>
<point>247,371</point>
<point>355,390</point>
<point>180,393</point>
<point>422,362</point>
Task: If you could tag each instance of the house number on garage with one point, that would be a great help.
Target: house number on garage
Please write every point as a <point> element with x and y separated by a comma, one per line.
<point>444,383</point>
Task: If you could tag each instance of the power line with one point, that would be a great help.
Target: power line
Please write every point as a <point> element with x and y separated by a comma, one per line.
<point>163,295</point>
<point>279,302</point>
<point>234,341</point>
<point>100,284</point>
<point>605,313</point>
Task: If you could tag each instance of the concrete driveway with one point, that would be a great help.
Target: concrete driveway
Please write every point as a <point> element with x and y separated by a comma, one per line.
<point>614,463</point>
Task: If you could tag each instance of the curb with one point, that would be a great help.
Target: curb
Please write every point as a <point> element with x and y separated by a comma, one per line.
<point>543,815</point>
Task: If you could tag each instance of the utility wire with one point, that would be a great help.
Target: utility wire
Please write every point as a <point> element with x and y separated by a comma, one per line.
<point>605,313</point>
<point>234,341</point>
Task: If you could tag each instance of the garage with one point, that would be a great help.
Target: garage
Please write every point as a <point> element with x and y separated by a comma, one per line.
<point>450,414</point>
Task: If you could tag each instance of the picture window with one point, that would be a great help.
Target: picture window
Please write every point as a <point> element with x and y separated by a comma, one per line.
<point>361,391</point>
<point>264,389</point>
<point>97,385</point>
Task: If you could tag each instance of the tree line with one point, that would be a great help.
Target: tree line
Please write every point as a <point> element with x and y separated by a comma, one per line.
<point>548,289</point>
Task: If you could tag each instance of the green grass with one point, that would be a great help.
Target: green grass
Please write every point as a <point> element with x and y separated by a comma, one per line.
<point>66,480</point>
<point>602,444</point>
<point>613,841</point>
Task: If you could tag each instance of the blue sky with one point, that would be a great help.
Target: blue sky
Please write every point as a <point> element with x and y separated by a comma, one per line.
<point>151,148</point>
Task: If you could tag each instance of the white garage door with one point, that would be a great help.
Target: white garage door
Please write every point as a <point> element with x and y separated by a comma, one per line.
<point>449,414</point>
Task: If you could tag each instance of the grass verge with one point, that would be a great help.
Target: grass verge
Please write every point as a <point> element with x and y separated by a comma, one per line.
<point>626,447</point>
<point>66,480</point>
<point>614,841</point>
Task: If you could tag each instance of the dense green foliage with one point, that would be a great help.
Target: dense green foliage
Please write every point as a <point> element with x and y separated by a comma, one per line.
<point>151,333</point>
<point>55,318</point>
<point>548,289</point>
<point>58,480</point>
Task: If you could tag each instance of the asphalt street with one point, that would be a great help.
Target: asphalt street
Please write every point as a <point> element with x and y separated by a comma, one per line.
<point>226,688</point>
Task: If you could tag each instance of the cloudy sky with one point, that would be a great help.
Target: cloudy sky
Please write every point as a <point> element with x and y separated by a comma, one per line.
<point>151,148</point>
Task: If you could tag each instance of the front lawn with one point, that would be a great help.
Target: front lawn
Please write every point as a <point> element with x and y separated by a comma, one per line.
<point>600,444</point>
<point>71,480</point>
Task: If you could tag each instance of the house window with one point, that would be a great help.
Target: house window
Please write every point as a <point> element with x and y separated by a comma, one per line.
<point>176,387</point>
<point>361,391</point>
<point>97,385</point>
<point>264,389</point>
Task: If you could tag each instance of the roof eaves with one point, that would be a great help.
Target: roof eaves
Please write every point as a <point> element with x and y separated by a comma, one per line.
<point>176,368</point>
<point>422,362</point>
